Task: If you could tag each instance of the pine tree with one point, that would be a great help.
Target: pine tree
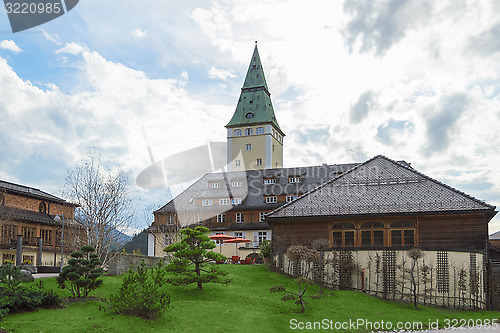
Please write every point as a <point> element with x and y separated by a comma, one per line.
<point>192,259</point>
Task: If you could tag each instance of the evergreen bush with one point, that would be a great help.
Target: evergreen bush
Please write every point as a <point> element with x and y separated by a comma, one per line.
<point>142,293</point>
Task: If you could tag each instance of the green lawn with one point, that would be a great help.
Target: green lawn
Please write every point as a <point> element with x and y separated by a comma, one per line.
<point>245,305</point>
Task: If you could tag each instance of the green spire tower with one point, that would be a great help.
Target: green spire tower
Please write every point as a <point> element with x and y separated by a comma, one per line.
<point>254,138</point>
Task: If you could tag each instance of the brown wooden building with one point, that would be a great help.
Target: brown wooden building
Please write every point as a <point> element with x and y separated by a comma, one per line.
<point>29,232</point>
<point>384,204</point>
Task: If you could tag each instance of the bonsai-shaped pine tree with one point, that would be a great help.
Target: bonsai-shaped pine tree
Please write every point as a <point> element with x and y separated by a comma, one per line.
<point>80,276</point>
<point>192,257</point>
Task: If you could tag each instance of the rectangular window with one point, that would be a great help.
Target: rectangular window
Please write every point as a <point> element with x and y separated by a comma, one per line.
<point>170,220</point>
<point>294,179</point>
<point>29,235</point>
<point>237,163</point>
<point>214,185</point>
<point>262,236</point>
<point>349,238</point>
<point>238,234</point>
<point>270,181</point>
<point>240,218</point>
<point>237,184</point>
<point>46,237</point>
<point>260,130</point>
<point>409,237</point>
<point>261,216</point>
<point>221,218</point>
<point>259,161</point>
<point>236,201</point>
<point>396,238</point>
<point>249,147</point>
<point>224,202</point>
<point>378,238</point>
<point>8,234</point>
<point>271,199</point>
<point>290,198</point>
<point>197,219</point>
<point>366,238</point>
<point>206,202</point>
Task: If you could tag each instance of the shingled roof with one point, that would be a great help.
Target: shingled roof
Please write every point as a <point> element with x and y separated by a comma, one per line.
<point>254,105</point>
<point>30,192</point>
<point>380,186</point>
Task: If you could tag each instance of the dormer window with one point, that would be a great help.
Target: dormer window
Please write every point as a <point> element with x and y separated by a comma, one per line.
<point>249,115</point>
<point>270,181</point>
<point>42,207</point>
<point>293,180</point>
<point>237,132</point>
<point>237,183</point>
<point>214,185</point>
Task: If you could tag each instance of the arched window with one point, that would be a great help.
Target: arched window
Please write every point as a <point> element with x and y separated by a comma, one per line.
<point>249,131</point>
<point>260,130</point>
<point>42,207</point>
<point>372,234</point>
<point>343,235</point>
<point>237,132</point>
<point>403,234</point>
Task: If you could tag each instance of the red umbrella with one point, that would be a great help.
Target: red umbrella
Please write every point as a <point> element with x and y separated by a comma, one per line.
<point>221,237</point>
<point>236,241</point>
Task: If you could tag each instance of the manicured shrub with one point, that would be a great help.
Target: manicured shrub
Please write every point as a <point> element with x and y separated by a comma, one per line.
<point>142,293</point>
<point>82,273</point>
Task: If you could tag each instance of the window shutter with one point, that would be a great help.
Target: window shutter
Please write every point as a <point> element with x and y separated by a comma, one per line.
<point>255,239</point>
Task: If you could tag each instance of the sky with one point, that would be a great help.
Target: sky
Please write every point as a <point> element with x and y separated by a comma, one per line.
<point>413,80</point>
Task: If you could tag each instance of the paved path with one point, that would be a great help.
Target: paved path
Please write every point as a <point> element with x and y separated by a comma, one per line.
<point>44,275</point>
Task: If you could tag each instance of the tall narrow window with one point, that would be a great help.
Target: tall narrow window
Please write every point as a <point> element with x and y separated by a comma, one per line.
<point>170,220</point>
<point>259,161</point>
<point>261,216</point>
<point>249,131</point>
<point>237,163</point>
<point>221,218</point>
<point>42,207</point>
<point>343,235</point>
<point>240,218</point>
<point>249,147</point>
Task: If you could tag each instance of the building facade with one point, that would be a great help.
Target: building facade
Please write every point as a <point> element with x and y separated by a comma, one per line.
<point>29,230</point>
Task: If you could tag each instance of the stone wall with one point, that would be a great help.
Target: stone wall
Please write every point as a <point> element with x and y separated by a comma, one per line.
<point>123,261</point>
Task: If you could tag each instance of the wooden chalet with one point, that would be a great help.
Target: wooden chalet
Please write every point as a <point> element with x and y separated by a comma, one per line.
<point>384,204</point>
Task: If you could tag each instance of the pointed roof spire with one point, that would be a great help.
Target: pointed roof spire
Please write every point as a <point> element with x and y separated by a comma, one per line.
<point>255,75</point>
<point>254,106</point>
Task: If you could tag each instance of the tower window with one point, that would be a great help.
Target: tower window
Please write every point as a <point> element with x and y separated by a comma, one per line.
<point>260,130</point>
<point>249,131</point>
<point>249,147</point>
<point>249,115</point>
<point>237,132</point>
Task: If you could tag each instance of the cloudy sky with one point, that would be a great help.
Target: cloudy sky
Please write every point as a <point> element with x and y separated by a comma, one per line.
<point>414,80</point>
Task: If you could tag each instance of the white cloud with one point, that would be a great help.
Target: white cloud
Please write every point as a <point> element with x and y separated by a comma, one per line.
<point>220,74</point>
<point>53,37</point>
<point>139,34</point>
<point>11,46</point>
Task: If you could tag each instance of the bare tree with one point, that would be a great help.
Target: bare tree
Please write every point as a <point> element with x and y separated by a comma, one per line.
<point>105,209</point>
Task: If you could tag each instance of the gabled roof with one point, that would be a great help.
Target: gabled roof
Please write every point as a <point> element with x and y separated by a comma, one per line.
<point>380,186</point>
<point>495,236</point>
<point>254,105</point>
<point>30,192</point>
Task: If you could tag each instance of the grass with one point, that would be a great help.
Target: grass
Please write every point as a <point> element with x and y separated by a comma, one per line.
<point>245,305</point>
